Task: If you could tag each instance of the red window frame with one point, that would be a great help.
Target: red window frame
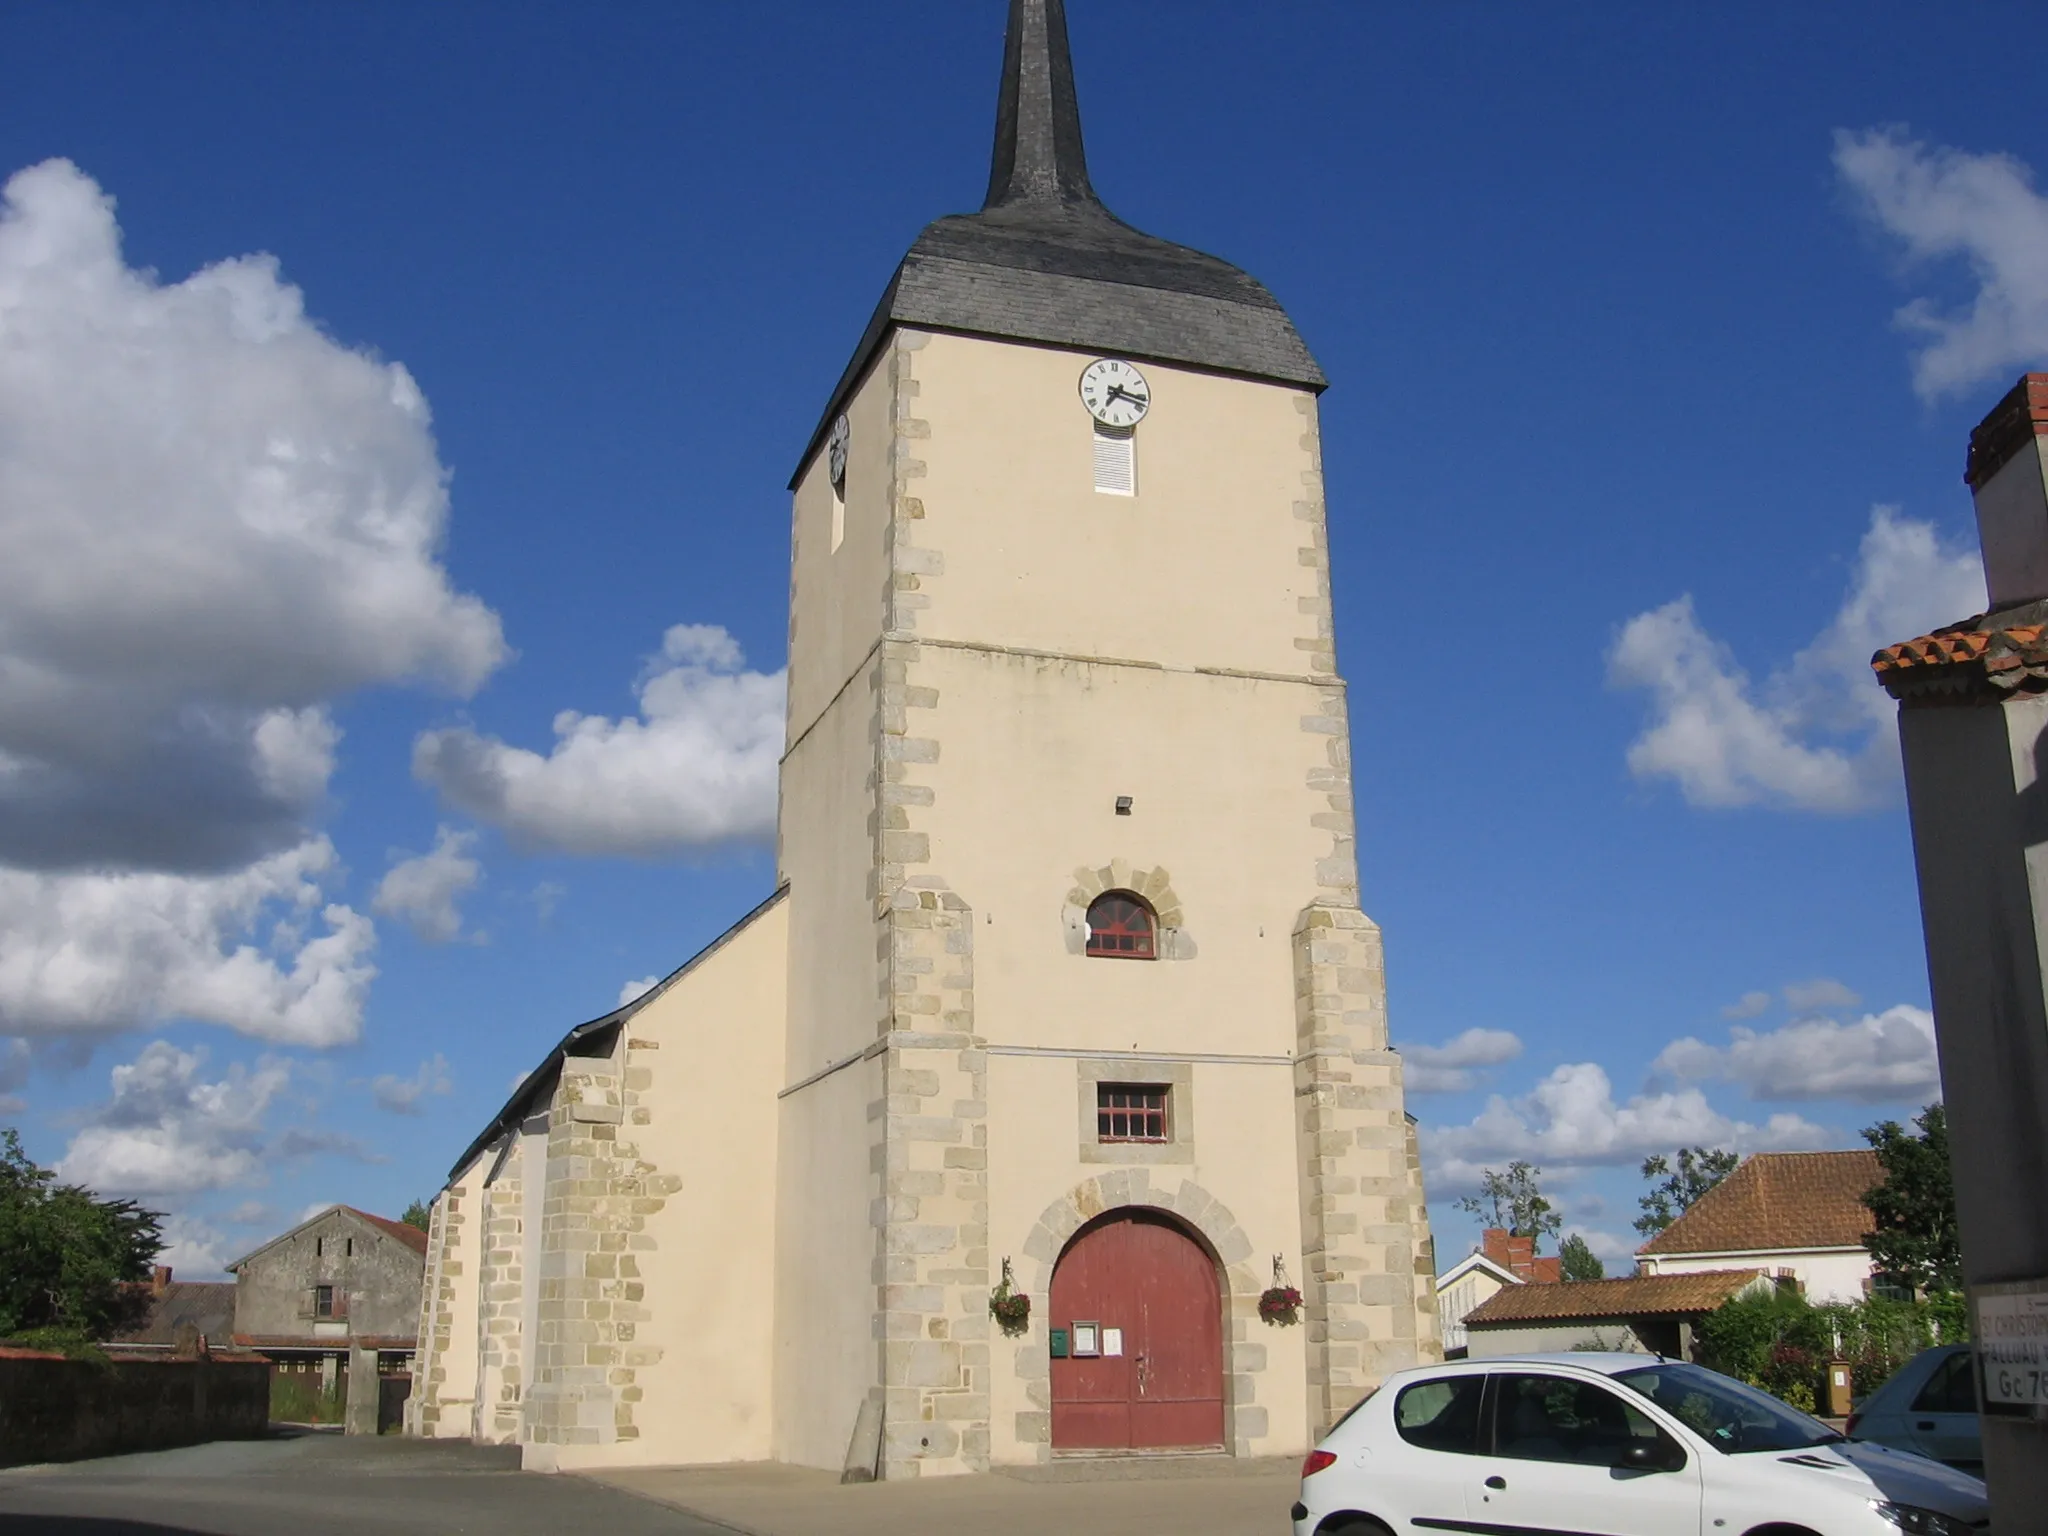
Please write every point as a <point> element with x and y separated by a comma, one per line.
<point>1122,927</point>
<point>1133,1112</point>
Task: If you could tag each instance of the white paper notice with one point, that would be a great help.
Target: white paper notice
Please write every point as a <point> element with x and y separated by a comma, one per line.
<point>1112,1341</point>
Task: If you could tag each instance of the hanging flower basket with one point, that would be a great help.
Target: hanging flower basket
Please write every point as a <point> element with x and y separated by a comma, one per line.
<point>1011,1308</point>
<point>1280,1304</point>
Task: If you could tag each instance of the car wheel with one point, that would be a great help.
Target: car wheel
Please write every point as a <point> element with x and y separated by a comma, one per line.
<point>1352,1525</point>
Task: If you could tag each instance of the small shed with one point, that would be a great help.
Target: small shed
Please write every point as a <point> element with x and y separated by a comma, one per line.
<point>1651,1313</point>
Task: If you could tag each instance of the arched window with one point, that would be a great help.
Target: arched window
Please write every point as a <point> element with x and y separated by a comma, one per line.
<point>1122,927</point>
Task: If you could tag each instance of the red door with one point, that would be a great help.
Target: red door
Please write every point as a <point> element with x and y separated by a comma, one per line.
<point>1141,1274</point>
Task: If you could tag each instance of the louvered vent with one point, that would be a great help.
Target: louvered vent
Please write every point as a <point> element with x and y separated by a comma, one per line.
<point>1116,461</point>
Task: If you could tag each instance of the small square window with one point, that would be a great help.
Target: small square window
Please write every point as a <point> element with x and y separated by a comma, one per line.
<point>323,1301</point>
<point>1131,1112</point>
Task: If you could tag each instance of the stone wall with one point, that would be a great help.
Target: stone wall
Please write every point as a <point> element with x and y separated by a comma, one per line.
<point>378,1276</point>
<point>1369,1265</point>
<point>443,1400</point>
<point>53,1409</point>
<point>501,1297</point>
<point>594,1217</point>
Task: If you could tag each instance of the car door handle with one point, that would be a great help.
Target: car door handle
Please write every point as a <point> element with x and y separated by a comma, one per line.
<point>1496,1482</point>
<point>1923,1424</point>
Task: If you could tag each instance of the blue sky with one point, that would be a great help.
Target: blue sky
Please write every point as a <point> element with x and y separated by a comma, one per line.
<point>1655,340</point>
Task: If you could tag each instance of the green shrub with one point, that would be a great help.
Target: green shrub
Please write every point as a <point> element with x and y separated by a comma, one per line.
<point>1781,1342</point>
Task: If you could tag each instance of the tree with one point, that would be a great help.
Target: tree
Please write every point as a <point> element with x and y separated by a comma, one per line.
<point>417,1215</point>
<point>1699,1170</point>
<point>1513,1200</point>
<point>1579,1262</point>
<point>1914,1208</point>
<point>65,1254</point>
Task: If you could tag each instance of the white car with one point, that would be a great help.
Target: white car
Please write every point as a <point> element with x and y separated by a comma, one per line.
<point>1612,1445</point>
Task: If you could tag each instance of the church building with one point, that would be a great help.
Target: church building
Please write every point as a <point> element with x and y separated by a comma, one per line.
<point>1046,1105</point>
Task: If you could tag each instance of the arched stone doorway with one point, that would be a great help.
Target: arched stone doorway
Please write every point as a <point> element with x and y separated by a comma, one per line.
<point>1154,1378</point>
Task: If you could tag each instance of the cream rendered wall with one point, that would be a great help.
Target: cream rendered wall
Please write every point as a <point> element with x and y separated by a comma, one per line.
<point>1244,1160</point>
<point>1826,1274</point>
<point>1200,568</point>
<point>825,1283</point>
<point>1035,753</point>
<point>703,1063</point>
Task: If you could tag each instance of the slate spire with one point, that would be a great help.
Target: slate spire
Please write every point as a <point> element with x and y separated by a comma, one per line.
<point>1038,157</point>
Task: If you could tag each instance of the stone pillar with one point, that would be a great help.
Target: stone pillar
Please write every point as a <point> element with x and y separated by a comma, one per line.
<point>599,1195</point>
<point>1367,1287</point>
<point>931,1216</point>
<point>437,1314</point>
<point>500,1307</point>
<point>360,1416</point>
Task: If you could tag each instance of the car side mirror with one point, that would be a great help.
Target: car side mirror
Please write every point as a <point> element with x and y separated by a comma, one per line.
<point>1652,1456</point>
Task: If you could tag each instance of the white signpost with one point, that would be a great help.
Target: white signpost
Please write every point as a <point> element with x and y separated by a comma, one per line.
<point>2012,1345</point>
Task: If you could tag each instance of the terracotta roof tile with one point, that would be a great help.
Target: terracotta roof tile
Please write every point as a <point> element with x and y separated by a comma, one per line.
<point>1779,1200</point>
<point>1632,1296</point>
<point>411,1236</point>
<point>1965,662</point>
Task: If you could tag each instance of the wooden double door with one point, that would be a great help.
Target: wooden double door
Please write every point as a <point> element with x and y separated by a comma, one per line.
<point>1151,1291</point>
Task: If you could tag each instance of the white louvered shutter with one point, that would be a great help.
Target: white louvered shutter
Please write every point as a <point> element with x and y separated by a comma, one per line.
<point>1116,462</point>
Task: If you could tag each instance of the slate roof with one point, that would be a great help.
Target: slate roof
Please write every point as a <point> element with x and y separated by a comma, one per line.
<point>1633,1296</point>
<point>1045,261</point>
<point>1777,1201</point>
<point>208,1305</point>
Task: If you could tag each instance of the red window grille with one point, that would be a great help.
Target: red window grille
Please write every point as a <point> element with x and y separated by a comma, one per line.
<point>1121,927</point>
<point>1130,1112</point>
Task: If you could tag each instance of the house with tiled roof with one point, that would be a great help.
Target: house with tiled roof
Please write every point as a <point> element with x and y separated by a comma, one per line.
<point>336,1301</point>
<point>181,1315</point>
<point>1653,1314</point>
<point>1795,1216</point>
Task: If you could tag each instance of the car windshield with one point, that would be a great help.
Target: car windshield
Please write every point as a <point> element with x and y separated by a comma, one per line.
<point>1728,1415</point>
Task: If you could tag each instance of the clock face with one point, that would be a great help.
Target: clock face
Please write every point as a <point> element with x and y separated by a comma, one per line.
<point>836,453</point>
<point>1115,393</point>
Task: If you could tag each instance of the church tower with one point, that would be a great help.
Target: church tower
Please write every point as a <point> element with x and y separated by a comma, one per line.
<point>1081,1005</point>
<point>1057,1062</point>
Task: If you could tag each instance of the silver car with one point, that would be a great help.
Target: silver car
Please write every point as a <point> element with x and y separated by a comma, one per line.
<point>1929,1406</point>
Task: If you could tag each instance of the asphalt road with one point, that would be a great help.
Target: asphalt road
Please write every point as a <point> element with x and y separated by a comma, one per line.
<point>315,1484</point>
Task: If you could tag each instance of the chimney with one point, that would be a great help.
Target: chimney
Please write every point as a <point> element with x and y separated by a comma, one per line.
<point>2008,475</point>
<point>159,1279</point>
<point>1517,1255</point>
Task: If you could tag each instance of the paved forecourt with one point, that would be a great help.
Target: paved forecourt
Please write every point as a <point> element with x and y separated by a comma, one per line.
<point>1191,1496</point>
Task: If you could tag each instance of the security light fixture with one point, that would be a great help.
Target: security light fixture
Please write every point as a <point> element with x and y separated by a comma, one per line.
<point>1123,805</point>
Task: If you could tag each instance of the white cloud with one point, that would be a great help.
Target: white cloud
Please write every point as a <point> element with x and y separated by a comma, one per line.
<point>168,1131</point>
<point>250,1213</point>
<point>1454,1067</point>
<point>1616,1254</point>
<point>1747,1006</point>
<point>103,953</point>
<point>1821,992</point>
<point>402,1095</point>
<point>1570,1120</point>
<point>1941,203</point>
<point>640,988</point>
<point>422,892</point>
<point>1818,734</point>
<point>697,766</point>
<point>218,520</point>
<point>1882,1056</point>
<point>195,1249</point>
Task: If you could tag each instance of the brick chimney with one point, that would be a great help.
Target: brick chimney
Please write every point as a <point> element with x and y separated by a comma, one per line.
<point>159,1279</point>
<point>1517,1255</point>
<point>2008,475</point>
